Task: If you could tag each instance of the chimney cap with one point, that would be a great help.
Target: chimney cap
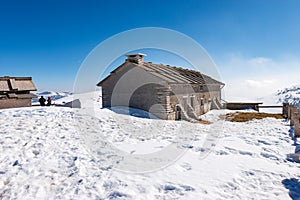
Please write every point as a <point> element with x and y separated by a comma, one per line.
<point>135,54</point>
<point>137,58</point>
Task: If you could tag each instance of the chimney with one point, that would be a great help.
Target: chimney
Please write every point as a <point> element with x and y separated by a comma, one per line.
<point>135,58</point>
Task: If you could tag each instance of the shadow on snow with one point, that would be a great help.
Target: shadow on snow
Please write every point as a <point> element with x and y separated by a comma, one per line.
<point>293,185</point>
<point>132,112</point>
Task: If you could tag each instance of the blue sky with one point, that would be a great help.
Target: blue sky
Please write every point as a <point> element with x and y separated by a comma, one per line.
<point>49,39</point>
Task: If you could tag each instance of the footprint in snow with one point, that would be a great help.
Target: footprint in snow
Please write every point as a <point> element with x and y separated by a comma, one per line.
<point>222,153</point>
<point>176,189</point>
<point>270,156</point>
<point>264,142</point>
<point>186,166</point>
<point>117,195</point>
<point>132,152</point>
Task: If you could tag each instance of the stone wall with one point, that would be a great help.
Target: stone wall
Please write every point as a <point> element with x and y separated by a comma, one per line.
<point>118,89</point>
<point>153,98</point>
<point>199,100</point>
<point>134,87</point>
<point>293,114</point>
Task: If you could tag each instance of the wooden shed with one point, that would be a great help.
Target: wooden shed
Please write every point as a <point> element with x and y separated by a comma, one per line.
<point>15,92</point>
<point>166,91</point>
<point>242,105</point>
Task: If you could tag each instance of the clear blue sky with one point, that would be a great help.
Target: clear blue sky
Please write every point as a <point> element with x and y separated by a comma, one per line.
<point>48,39</point>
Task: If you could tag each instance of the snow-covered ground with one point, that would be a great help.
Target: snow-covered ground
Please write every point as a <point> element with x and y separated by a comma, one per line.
<point>92,153</point>
<point>44,155</point>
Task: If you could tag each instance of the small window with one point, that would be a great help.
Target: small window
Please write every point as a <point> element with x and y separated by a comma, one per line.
<point>192,101</point>
<point>202,101</point>
<point>201,88</point>
<point>185,100</point>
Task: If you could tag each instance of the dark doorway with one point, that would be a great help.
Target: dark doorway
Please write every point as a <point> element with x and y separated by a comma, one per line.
<point>178,113</point>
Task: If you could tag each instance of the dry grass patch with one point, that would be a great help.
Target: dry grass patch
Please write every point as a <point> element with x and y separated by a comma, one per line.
<point>201,121</point>
<point>247,116</point>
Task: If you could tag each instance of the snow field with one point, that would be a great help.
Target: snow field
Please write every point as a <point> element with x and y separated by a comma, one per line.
<point>44,156</point>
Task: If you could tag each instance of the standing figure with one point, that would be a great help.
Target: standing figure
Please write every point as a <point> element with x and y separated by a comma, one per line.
<point>49,101</point>
<point>42,101</point>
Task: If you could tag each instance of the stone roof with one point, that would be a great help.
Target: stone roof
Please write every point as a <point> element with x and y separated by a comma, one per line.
<point>16,84</point>
<point>172,75</point>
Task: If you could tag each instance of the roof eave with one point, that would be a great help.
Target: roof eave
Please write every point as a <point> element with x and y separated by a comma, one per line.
<point>101,82</point>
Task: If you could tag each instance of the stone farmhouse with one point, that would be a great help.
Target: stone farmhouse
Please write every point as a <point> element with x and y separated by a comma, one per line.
<point>165,91</point>
<point>15,92</point>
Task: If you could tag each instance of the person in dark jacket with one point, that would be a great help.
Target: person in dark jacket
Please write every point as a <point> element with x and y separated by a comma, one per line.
<point>42,101</point>
<point>49,101</point>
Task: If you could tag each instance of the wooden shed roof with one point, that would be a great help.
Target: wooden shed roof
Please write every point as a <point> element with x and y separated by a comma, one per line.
<point>15,84</point>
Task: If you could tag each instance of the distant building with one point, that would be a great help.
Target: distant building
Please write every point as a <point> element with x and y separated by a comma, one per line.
<point>15,92</point>
<point>168,92</point>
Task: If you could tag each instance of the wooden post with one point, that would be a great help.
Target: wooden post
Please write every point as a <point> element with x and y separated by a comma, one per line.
<point>297,124</point>
<point>285,110</point>
<point>256,107</point>
<point>291,115</point>
<point>290,107</point>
